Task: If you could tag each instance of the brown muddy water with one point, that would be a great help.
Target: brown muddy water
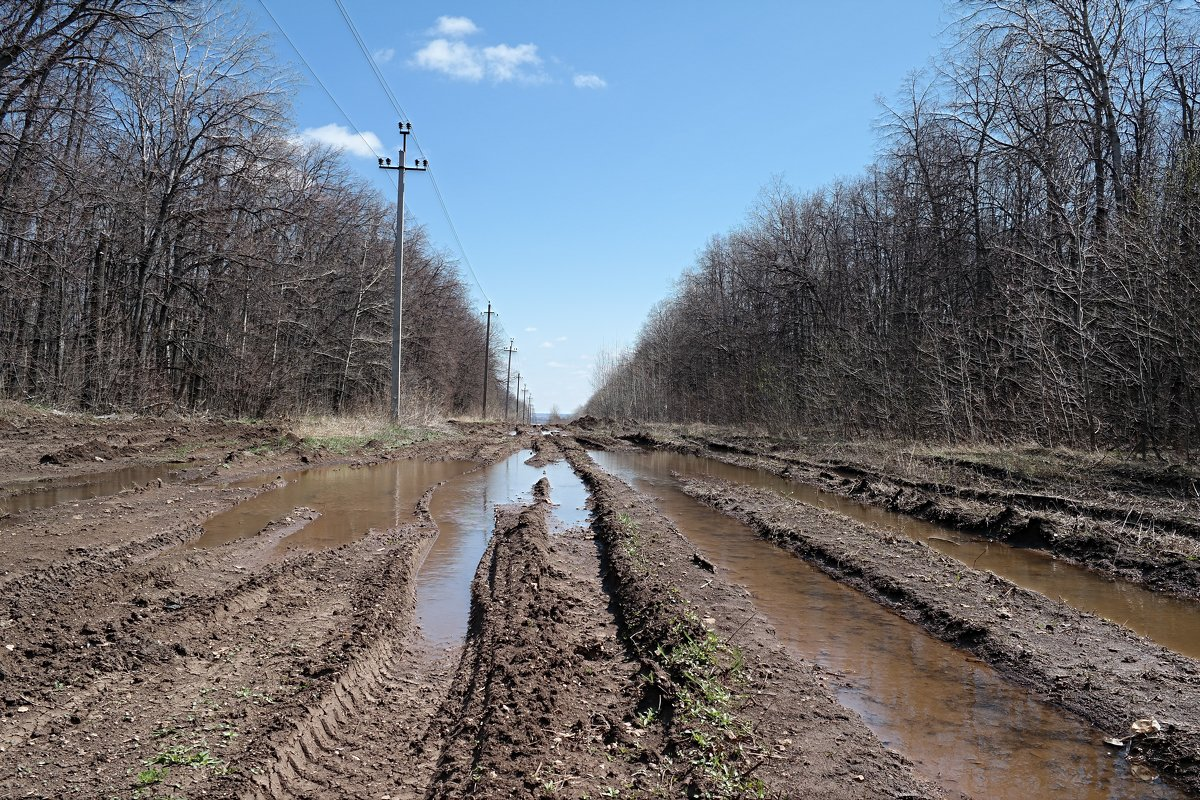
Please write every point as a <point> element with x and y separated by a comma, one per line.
<point>87,487</point>
<point>464,510</point>
<point>1169,621</point>
<point>350,501</point>
<point>958,721</point>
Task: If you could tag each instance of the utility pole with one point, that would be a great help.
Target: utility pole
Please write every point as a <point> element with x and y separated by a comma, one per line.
<point>398,278</point>
<point>518,414</point>
<point>487,359</point>
<point>508,376</point>
<point>527,404</point>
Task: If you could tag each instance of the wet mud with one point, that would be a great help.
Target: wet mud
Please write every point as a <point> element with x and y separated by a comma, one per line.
<point>955,717</point>
<point>1144,531</point>
<point>1089,666</point>
<point>597,651</point>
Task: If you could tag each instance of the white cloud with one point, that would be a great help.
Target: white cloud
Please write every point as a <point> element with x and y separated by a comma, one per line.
<point>547,345</point>
<point>531,330</point>
<point>500,63</point>
<point>555,365</point>
<point>344,139</point>
<point>561,339</point>
<point>386,54</point>
<point>590,81</point>
<point>456,27</point>
<point>456,59</point>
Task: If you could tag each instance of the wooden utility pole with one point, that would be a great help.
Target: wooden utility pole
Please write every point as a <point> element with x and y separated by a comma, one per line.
<point>508,376</point>
<point>487,359</point>
<point>398,278</point>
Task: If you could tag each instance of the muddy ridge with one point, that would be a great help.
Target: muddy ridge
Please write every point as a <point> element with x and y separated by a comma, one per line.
<point>1147,537</point>
<point>695,633</point>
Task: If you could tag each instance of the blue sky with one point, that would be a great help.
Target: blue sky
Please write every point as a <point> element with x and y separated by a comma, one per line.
<point>587,151</point>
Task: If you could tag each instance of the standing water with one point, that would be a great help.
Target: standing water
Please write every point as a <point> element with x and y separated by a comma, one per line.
<point>958,721</point>
<point>86,487</point>
<point>1169,621</point>
<point>351,501</point>
<point>464,511</point>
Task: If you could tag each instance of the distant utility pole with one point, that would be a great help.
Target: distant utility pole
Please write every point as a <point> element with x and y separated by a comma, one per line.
<point>487,359</point>
<point>527,404</point>
<point>508,377</point>
<point>518,414</point>
<point>398,279</point>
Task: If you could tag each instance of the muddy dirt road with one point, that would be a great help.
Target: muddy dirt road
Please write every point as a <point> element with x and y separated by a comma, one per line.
<point>470,630</point>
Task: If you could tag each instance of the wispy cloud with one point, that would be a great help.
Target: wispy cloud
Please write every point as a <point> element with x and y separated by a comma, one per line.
<point>555,365</point>
<point>547,345</point>
<point>448,54</point>
<point>589,81</point>
<point>531,329</point>
<point>561,339</point>
<point>506,63</point>
<point>334,135</point>
<point>385,55</point>
<point>454,27</point>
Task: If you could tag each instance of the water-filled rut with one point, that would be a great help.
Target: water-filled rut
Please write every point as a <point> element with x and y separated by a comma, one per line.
<point>1170,621</point>
<point>962,724</point>
<point>70,490</point>
<point>350,501</point>
<point>464,511</point>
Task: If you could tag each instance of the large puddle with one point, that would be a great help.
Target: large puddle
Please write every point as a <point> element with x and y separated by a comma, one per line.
<point>1169,621</point>
<point>350,500</point>
<point>464,510</point>
<point>959,721</point>
<point>86,487</point>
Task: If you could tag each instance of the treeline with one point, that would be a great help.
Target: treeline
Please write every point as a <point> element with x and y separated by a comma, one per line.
<point>164,240</point>
<point>1021,262</point>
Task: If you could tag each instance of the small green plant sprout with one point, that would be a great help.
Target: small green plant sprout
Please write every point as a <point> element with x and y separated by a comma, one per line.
<point>646,718</point>
<point>247,693</point>
<point>150,776</point>
<point>181,755</point>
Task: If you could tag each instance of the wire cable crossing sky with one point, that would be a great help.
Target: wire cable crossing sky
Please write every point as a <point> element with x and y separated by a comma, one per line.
<point>591,152</point>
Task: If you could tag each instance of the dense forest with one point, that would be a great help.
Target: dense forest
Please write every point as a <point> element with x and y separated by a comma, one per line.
<point>167,241</point>
<point>1020,262</point>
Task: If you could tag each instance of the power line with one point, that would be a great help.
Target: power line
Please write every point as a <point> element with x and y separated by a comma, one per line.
<point>453,230</point>
<point>395,103</point>
<point>362,46</point>
<point>317,78</point>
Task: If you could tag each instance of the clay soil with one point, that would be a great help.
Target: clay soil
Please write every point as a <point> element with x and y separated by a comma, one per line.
<point>605,661</point>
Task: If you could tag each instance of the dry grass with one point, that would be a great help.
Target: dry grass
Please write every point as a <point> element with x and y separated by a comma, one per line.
<point>341,433</point>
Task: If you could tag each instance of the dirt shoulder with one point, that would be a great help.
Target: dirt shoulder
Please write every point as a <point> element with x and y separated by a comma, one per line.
<point>734,707</point>
<point>1127,520</point>
<point>1094,668</point>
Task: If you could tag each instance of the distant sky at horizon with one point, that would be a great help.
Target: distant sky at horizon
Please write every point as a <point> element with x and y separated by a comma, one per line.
<point>587,152</point>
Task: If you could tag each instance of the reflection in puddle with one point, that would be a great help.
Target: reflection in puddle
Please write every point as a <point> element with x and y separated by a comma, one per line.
<point>1167,620</point>
<point>350,500</point>
<point>959,721</point>
<point>464,510</point>
<point>86,487</point>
